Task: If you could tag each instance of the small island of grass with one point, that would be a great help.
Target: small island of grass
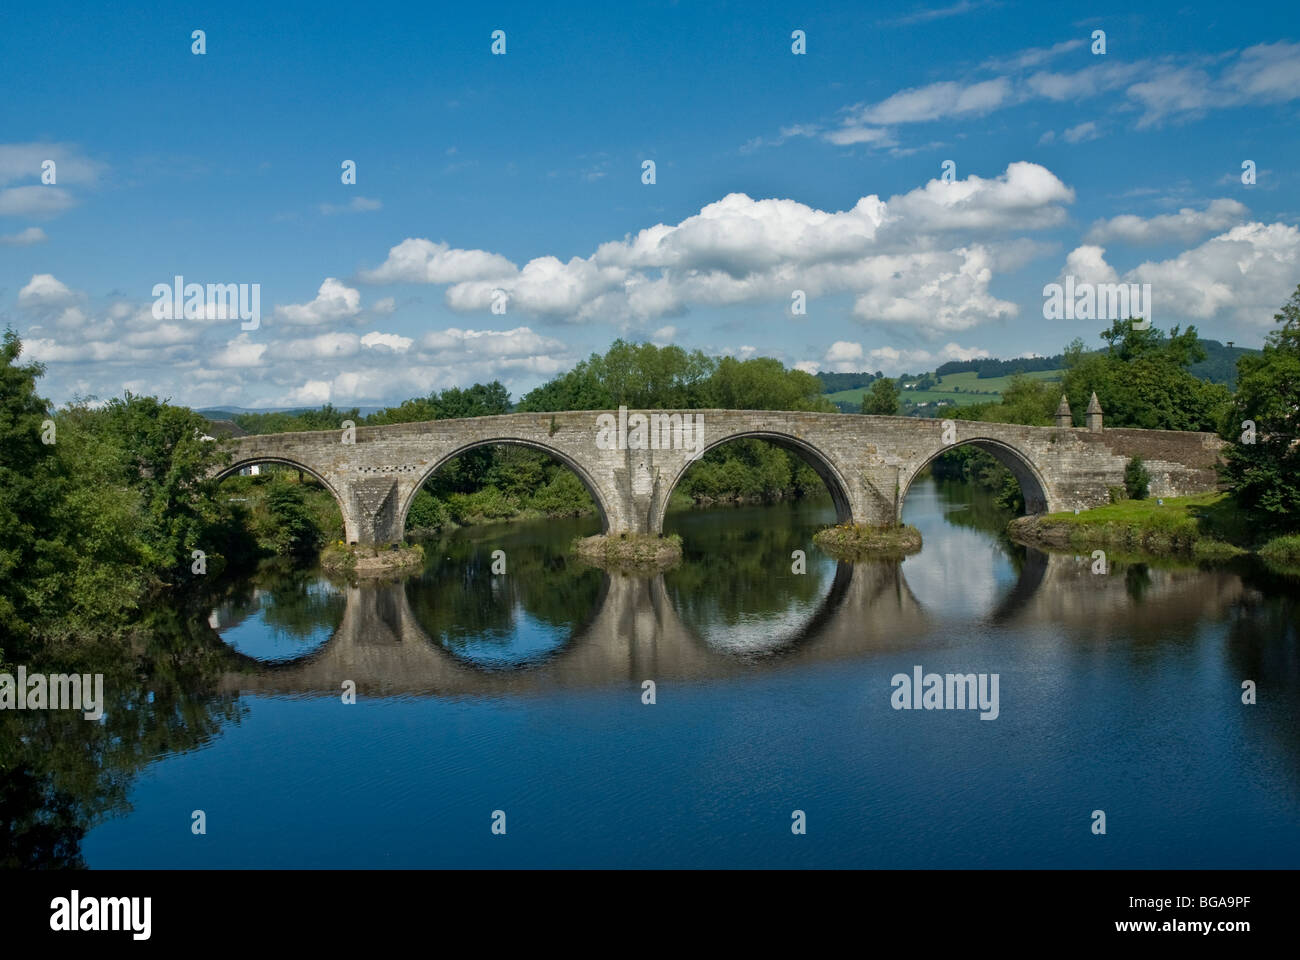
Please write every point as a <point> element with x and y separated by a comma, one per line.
<point>630,551</point>
<point>1204,527</point>
<point>373,561</point>
<point>855,541</point>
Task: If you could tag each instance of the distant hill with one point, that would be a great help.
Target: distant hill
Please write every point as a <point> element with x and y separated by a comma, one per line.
<point>229,413</point>
<point>1220,363</point>
<point>926,392</point>
<point>835,382</point>
<point>962,382</point>
<point>988,368</point>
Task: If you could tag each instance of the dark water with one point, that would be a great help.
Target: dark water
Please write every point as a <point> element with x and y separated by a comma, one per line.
<point>523,693</point>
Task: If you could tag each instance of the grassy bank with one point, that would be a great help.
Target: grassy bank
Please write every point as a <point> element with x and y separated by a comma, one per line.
<point>1207,527</point>
<point>1283,554</point>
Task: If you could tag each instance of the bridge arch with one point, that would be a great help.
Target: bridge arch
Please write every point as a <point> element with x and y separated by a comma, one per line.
<point>593,488</point>
<point>1033,487</point>
<point>256,459</point>
<point>821,464</point>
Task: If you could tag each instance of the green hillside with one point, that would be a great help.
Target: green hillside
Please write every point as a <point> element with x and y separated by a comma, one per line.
<point>958,389</point>
<point>963,382</point>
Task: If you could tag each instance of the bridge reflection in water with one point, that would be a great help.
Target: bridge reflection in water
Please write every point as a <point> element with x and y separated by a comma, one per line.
<point>636,633</point>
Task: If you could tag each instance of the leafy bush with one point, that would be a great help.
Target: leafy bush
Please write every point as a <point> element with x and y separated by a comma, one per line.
<point>427,513</point>
<point>1009,496</point>
<point>881,398</point>
<point>1282,550</point>
<point>295,531</point>
<point>1137,481</point>
<point>488,503</point>
<point>564,496</point>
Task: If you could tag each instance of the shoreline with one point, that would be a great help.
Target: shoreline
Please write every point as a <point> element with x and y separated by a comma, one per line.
<point>1201,528</point>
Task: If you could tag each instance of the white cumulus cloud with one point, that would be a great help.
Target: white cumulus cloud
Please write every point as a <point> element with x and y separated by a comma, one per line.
<point>1184,226</point>
<point>902,258</point>
<point>423,261</point>
<point>1241,276</point>
<point>334,301</point>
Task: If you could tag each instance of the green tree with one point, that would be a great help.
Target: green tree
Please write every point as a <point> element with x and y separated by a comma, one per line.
<point>295,531</point>
<point>26,496</point>
<point>1142,379</point>
<point>763,383</point>
<point>1264,474</point>
<point>882,398</point>
<point>1137,480</point>
<point>170,466</point>
<point>480,400</point>
<point>644,376</point>
<point>638,375</point>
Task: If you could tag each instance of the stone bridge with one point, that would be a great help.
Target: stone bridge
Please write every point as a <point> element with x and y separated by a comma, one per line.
<point>630,462</point>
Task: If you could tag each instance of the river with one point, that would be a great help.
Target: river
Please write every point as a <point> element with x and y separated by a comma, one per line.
<point>520,699</point>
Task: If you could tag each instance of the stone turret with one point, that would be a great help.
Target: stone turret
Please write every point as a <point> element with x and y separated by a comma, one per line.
<point>1094,413</point>
<point>1064,418</point>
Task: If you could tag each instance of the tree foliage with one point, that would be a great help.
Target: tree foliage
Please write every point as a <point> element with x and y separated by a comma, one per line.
<point>1137,480</point>
<point>111,508</point>
<point>1142,379</point>
<point>1026,400</point>
<point>881,398</point>
<point>1264,473</point>
<point>644,376</point>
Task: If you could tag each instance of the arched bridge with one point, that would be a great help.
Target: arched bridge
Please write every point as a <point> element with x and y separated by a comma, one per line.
<point>631,461</point>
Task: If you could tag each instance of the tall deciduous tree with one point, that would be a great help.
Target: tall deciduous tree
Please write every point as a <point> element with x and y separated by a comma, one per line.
<point>25,495</point>
<point>1142,379</point>
<point>1263,460</point>
<point>881,398</point>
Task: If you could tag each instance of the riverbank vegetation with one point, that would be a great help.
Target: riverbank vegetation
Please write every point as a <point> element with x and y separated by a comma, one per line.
<point>1208,527</point>
<point>99,506</point>
<point>1204,525</point>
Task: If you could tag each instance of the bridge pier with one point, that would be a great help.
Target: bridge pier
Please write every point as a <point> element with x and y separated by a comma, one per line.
<point>373,515</point>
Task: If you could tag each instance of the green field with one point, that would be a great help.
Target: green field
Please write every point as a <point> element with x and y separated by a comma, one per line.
<point>959,388</point>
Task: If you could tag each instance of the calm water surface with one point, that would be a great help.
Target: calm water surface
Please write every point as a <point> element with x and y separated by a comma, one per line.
<point>523,693</point>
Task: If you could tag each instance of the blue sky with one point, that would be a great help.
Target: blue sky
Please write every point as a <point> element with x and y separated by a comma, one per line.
<point>522,173</point>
